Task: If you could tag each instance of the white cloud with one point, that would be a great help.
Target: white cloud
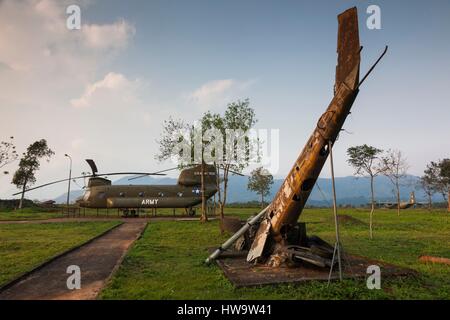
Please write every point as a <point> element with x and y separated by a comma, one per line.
<point>43,65</point>
<point>218,92</point>
<point>114,87</point>
<point>211,90</point>
<point>108,37</point>
<point>36,44</point>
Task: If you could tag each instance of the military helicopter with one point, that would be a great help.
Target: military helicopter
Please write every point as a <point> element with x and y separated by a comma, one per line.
<point>100,193</point>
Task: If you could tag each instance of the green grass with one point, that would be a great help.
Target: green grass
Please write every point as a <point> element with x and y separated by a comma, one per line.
<point>167,262</point>
<point>29,214</point>
<point>25,246</point>
<point>43,213</point>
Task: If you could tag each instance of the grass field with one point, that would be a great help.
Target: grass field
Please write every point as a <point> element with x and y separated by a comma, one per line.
<point>167,262</point>
<point>24,246</point>
<point>42,213</point>
<point>28,214</point>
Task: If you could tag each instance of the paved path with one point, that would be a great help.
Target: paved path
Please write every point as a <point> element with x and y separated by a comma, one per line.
<point>97,261</point>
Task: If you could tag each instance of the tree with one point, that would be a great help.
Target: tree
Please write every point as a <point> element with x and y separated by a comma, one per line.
<point>237,146</point>
<point>395,167</point>
<point>444,177</point>
<point>29,164</point>
<point>8,153</point>
<point>178,142</point>
<point>441,175</point>
<point>214,140</point>
<point>365,159</point>
<point>426,184</point>
<point>444,174</point>
<point>260,181</point>
<point>442,185</point>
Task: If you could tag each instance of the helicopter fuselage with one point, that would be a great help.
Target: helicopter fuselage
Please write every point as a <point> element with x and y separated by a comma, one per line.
<point>144,196</point>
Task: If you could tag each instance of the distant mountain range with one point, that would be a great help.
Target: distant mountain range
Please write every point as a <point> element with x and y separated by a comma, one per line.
<point>349,190</point>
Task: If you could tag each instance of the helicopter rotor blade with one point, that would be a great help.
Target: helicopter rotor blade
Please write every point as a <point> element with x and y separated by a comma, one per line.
<point>155,173</point>
<point>87,176</point>
<point>51,183</point>
<point>93,166</point>
<point>178,168</point>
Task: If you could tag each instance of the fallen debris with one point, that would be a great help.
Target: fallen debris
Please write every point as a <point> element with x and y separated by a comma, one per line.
<point>434,259</point>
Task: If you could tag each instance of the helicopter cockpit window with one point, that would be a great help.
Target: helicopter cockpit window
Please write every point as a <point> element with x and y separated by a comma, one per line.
<point>121,194</point>
<point>160,194</point>
<point>141,194</point>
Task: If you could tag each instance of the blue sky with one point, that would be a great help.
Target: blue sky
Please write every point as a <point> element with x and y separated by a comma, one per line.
<point>103,91</point>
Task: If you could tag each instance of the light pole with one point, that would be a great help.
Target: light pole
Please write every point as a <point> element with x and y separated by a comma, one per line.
<point>70,178</point>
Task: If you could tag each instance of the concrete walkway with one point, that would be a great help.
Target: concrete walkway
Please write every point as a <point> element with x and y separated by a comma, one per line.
<point>97,261</point>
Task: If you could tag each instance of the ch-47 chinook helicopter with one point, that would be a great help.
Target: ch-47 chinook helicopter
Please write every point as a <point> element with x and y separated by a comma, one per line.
<point>100,193</point>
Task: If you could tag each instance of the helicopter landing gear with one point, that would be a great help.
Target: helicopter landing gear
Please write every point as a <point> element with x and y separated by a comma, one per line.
<point>127,213</point>
<point>190,211</point>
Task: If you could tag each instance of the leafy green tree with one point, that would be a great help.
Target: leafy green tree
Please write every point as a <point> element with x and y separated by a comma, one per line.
<point>365,159</point>
<point>441,177</point>
<point>444,177</point>
<point>229,157</point>
<point>29,164</point>
<point>8,153</point>
<point>178,142</point>
<point>237,146</point>
<point>260,182</point>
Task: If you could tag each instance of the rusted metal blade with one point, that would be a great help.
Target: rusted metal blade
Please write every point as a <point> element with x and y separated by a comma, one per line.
<point>260,241</point>
<point>348,47</point>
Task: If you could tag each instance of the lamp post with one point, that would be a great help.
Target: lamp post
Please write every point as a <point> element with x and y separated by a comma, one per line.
<point>70,178</point>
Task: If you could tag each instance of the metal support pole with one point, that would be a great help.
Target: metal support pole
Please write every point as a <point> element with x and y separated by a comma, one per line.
<point>236,236</point>
<point>337,246</point>
<point>70,178</point>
